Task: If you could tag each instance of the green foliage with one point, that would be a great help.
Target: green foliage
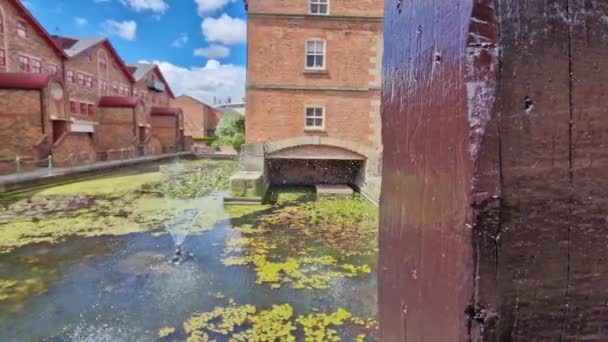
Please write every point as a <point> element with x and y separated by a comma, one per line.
<point>207,140</point>
<point>230,132</point>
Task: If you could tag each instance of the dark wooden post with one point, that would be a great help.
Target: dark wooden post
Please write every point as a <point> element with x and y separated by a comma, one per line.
<point>494,208</point>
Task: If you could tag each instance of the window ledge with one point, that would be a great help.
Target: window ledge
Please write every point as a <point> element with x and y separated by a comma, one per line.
<point>315,72</point>
<point>318,130</point>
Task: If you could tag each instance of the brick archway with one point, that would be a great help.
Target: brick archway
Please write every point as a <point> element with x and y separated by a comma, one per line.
<point>350,146</point>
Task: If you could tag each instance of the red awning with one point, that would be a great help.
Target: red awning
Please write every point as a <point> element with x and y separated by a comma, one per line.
<point>24,81</point>
<point>118,101</point>
<point>165,111</point>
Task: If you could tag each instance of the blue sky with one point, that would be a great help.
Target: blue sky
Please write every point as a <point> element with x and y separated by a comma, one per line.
<point>199,44</point>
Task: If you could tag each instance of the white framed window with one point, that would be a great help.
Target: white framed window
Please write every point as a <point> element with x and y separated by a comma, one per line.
<point>319,7</point>
<point>52,69</point>
<point>21,29</point>
<point>24,63</point>
<point>36,66</point>
<point>2,58</point>
<point>315,118</point>
<point>315,54</point>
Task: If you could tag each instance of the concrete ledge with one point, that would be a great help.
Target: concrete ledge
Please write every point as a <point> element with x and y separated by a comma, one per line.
<point>327,190</point>
<point>247,184</point>
<point>43,177</point>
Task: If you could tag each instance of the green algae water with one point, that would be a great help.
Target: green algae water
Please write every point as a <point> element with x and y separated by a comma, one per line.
<point>89,261</point>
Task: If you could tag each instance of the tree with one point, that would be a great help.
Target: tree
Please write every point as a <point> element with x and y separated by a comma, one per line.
<point>230,132</point>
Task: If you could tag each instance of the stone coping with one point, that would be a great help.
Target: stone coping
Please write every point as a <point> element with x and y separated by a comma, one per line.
<point>19,181</point>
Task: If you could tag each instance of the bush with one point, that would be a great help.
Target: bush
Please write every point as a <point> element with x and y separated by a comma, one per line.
<point>230,132</point>
<point>207,140</point>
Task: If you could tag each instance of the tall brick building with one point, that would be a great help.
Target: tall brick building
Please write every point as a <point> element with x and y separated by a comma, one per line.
<point>313,91</point>
<point>32,94</point>
<point>73,98</point>
<point>160,126</point>
<point>93,73</point>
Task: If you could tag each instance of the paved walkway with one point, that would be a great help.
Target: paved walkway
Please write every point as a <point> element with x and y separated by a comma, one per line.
<point>13,180</point>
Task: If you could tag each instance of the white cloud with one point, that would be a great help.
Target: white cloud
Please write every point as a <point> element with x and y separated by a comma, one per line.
<point>225,30</point>
<point>181,40</point>
<point>205,83</point>
<point>206,6</point>
<point>213,51</point>
<point>157,6</point>
<point>80,22</point>
<point>126,30</point>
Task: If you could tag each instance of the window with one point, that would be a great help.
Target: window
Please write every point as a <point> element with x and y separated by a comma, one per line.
<point>83,109</point>
<point>70,76</point>
<point>103,85</point>
<point>103,64</point>
<point>315,118</point>
<point>2,57</point>
<point>91,109</point>
<point>36,66</point>
<point>88,81</point>
<point>21,29</point>
<point>80,79</point>
<point>1,22</point>
<point>24,63</point>
<point>319,6</point>
<point>114,88</point>
<point>73,107</point>
<point>52,69</point>
<point>315,54</point>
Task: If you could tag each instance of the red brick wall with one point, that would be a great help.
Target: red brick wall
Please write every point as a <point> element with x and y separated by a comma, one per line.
<point>20,121</point>
<point>198,117</point>
<point>164,128</point>
<point>33,45</point>
<point>86,65</point>
<point>277,115</point>
<point>337,7</point>
<point>74,149</point>
<point>348,51</point>
<point>116,129</point>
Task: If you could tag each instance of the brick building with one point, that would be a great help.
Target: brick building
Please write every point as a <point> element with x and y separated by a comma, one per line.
<point>313,91</point>
<point>32,95</point>
<point>101,104</point>
<point>200,119</point>
<point>73,98</point>
<point>160,126</point>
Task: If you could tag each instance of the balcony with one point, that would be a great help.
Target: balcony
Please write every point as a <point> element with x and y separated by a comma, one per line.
<point>156,86</point>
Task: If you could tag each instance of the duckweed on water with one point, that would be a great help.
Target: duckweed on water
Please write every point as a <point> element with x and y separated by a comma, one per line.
<point>112,205</point>
<point>166,331</point>
<point>245,324</point>
<point>302,242</point>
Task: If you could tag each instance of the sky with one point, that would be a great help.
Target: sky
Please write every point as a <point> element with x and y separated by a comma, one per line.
<point>200,45</point>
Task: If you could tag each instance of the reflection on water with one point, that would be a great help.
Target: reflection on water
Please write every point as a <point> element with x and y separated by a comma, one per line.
<point>95,268</point>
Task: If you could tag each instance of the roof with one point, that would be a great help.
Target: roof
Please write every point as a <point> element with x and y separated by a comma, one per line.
<point>36,25</point>
<point>169,111</point>
<point>194,99</point>
<point>24,81</point>
<point>119,101</point>
<point>139,70</point>
<point>74,46</point>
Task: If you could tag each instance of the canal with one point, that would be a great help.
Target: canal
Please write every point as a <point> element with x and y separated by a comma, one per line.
<point>95,260</point>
